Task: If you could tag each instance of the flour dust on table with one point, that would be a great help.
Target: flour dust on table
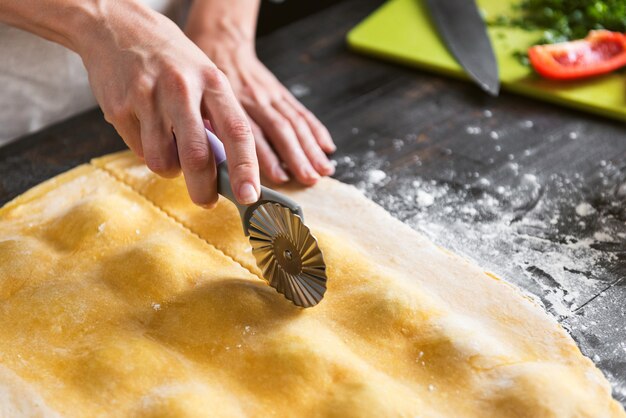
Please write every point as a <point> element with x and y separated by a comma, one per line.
<point>547,234</point>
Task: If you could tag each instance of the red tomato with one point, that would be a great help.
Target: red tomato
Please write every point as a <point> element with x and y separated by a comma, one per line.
<point>601,52</point>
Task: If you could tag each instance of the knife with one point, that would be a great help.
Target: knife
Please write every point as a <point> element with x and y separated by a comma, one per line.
<point>465,35</point>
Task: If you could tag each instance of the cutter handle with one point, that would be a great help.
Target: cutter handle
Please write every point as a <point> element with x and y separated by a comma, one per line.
<point>223,179</point>
<point>216,146</point>
<point>224,188</point>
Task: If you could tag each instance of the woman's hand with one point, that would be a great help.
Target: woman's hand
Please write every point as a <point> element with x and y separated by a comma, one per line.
<point>284,130</point>
<point>156,87</point>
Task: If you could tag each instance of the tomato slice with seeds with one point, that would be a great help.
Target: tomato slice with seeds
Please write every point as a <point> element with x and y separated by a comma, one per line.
<point>601,52</point>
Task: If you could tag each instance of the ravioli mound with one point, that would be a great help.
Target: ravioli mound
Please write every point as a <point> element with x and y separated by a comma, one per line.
<point>119,297</point>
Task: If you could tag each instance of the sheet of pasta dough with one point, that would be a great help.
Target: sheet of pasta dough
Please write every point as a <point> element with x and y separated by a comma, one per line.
<point>118,297</point>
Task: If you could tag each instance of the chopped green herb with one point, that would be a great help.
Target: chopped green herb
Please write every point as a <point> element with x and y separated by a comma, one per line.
<point>522,57</point>
<point>565,20</point>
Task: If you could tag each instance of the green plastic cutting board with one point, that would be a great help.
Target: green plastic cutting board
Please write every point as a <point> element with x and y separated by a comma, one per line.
<point>401,31</point>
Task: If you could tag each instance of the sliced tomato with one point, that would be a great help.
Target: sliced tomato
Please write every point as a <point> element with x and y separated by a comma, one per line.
<point>601,52</point>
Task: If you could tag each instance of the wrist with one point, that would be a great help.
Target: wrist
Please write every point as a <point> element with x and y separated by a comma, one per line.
<point>82,19</point>
<point>222,44</point>
<point>60,22</point>
<point>121,24</point>
<point>223,24</point>
<point>223,31</point>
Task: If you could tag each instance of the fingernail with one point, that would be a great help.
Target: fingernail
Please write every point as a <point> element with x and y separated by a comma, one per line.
<point>247,194</point>
<point>280,174</point>
<point>332,147</point>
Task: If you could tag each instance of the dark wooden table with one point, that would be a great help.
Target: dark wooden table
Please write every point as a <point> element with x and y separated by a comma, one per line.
<point>533,192</point>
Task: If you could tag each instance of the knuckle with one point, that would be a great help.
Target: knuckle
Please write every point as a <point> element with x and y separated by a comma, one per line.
<point>109,117</point>
<point>259,96</point>
<point>143,92</point>
<point>177,81</point>
<point>310,119</point>
<point>115,112</point>
<point>321,129</point>
<point>214,78</point>
<point>207,201</point>
<point>245,166</point>
<point>160,164</point>
<point>144,85</point>
<point>196,156</point>
<point>317,128</point>
<point>213,198</point>
<point>239,130</point>
<point>307,114</point>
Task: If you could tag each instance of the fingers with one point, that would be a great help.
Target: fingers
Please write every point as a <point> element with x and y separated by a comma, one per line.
<point>196,159</point>
<point>320,132</point>
<point>285,141</point>
<point>127,126</point>
<point>159,146</point>
<point>268,161</point>
<point>308,142</point>
<point>298,137</point>
<point>232,127</point>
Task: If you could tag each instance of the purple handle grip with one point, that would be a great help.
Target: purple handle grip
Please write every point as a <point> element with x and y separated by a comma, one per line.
<point>217,147</point>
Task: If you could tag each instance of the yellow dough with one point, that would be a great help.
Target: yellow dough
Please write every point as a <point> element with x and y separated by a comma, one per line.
<point>118,297</point>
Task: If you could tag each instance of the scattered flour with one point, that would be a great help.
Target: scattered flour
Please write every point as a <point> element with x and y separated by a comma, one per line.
<point>584,209</point>
<point>424,199</point>
<point>560,237</point>
<point>601,236</point>
<point>375,176</point>
<point>140,171</point>
<point>299,90</point>
<point>521,229</point>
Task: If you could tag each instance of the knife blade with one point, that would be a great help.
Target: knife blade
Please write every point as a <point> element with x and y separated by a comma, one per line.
<point>462,28</point>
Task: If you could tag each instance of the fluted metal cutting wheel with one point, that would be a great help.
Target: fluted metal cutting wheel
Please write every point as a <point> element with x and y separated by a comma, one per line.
<point>287,254</point>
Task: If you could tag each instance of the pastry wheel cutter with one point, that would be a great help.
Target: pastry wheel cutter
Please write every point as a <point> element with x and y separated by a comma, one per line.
<point>284,248</point>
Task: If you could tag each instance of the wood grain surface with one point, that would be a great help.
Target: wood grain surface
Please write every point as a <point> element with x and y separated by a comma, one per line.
<point>542,202</point>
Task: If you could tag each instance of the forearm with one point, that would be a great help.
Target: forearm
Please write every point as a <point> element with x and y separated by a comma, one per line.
<point>78,24</point>
<point>154,85</point>
<point>231,21</point>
